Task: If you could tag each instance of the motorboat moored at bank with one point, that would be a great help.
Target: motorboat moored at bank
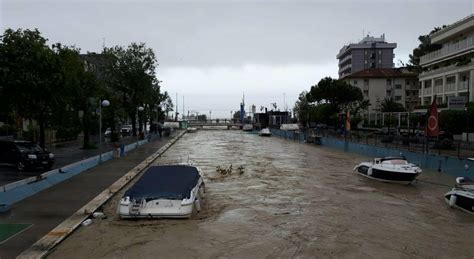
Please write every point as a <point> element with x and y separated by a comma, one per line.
<point>171,191</point>
<point>265,132</point>
<point>247,127</point>
<point>462,195</point>
<point>389,169</point>
<point>191,130</point>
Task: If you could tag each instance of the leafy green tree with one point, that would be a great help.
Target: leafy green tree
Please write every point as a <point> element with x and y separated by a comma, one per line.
<point>388,105</point>
<point>302,108</point>
<point>81,90</point>
<point>423,48</point>
<point>132,75</point>
<point>29,76</point>
<point>337,93</point>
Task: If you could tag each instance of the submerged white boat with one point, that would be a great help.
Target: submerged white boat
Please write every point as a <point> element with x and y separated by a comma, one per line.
<point>389,169</point>
<point>171,191</point>
<point>265,132</point>
<point>191,130</point>
<point>247,127</point>
<point>462,195</point>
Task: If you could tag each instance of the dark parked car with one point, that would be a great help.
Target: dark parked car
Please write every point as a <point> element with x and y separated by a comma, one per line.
<point>25,155</point>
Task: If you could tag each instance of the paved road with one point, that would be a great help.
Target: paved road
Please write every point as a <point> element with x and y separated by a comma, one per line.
<point>65,155</point>
<point>50,207</point>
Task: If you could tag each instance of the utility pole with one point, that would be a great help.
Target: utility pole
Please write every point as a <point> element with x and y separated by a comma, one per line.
<point>183,108</point>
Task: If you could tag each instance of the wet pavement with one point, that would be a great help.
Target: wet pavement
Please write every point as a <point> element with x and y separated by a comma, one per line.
<point>289,200</point>
<point>64,155</point>
<point>48,208</point>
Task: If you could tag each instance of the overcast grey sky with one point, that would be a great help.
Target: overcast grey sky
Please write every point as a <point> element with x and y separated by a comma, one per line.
<point>213,51</point>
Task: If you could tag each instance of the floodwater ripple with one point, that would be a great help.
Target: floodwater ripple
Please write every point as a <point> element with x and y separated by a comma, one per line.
<point>288,199</point>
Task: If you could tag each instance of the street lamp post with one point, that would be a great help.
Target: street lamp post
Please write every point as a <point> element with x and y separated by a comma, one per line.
<point>140,120</point>
<point>102,103</point>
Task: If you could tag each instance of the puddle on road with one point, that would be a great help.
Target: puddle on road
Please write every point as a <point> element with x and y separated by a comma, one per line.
<point>291,200</point>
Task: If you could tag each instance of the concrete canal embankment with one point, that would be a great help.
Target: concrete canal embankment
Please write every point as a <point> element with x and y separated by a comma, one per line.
<point>74,199</point>
<point>286,200</point>
<point>452,166</point>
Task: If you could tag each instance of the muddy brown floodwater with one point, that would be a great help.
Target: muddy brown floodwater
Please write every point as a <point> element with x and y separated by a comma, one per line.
<point>292,200</point>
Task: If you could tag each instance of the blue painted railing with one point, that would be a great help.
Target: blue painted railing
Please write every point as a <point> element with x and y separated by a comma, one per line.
<point>17,191</point>
<point>445,164</point>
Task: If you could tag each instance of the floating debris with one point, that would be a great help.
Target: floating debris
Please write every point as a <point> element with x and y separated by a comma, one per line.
<point>224,171</point>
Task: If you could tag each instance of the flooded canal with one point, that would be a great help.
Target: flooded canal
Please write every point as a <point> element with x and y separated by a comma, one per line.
<point>289,200</point>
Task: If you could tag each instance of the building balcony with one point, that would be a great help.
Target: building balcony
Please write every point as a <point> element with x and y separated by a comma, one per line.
<point>345,59</point>
<point>448,50</point>
<point>427,91</point>
<point>439,89</point>
<point>451,87</point>
<point>463,86</point>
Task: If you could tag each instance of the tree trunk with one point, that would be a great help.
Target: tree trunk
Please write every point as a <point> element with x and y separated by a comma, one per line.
<point>134,127</point>
<point>42,131</point>
<point>85,129</point>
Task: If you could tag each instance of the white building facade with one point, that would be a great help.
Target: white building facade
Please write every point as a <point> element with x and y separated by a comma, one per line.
<point>449,70</point>
<point>377,84</point>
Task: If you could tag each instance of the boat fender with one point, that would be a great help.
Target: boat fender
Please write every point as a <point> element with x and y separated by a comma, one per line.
<point>452,200</point>
<point>197,203</point>
<point>369,171</point>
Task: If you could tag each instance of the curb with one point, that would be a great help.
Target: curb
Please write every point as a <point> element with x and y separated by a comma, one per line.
<point>41,248</point>
<point>14,192</point>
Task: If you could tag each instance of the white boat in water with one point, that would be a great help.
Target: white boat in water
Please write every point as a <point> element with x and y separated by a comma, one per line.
<point>191,130</point>
<point>265,132</point>
<point>171,191</point>
<point>247,127</point>
<point>462,195</point>
<point>389,169</point>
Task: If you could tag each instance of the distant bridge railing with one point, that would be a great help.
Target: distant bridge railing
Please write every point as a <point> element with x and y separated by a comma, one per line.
<point>215,122</point>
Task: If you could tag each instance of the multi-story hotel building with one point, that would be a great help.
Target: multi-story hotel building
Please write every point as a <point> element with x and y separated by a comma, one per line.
<point>449,70</point>
<point>370,52</point>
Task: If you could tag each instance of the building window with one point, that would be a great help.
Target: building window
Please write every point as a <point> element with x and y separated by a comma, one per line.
<point>389,82</point>
<point>355,82</point>
<point>372,65</point>
<point>380,61</point>
<point>398,98</point>
<point>366,82</point>
<point>398,86</point>
<point>389,93</point>
<point>366,92</point>
<point>365,61</point>
<point>380,52</point>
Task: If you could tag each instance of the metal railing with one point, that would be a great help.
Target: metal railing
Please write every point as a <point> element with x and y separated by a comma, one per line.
<point>448,49</point>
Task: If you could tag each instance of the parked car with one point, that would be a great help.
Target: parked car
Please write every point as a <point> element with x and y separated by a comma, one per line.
<point>107,133</point>
<point>126,130</point>
<point>25,155</point>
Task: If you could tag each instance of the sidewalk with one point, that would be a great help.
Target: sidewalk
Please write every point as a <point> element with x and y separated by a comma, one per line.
<point>66,154</point>
<point>48,208</point>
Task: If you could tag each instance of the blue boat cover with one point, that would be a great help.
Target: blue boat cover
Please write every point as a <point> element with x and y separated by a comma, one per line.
<point>165,182</point>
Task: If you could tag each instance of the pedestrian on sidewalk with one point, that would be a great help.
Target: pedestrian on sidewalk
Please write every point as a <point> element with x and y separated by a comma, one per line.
<point>160,128</point>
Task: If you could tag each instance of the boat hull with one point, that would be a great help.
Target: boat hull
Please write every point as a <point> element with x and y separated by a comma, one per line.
<point>386,175</point>
<point>169,191</point>
<point>161,208</point>
<point>464,200</point>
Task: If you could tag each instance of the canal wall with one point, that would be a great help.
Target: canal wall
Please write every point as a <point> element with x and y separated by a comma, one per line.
<point>19,190</point>
<point>453,166</point>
